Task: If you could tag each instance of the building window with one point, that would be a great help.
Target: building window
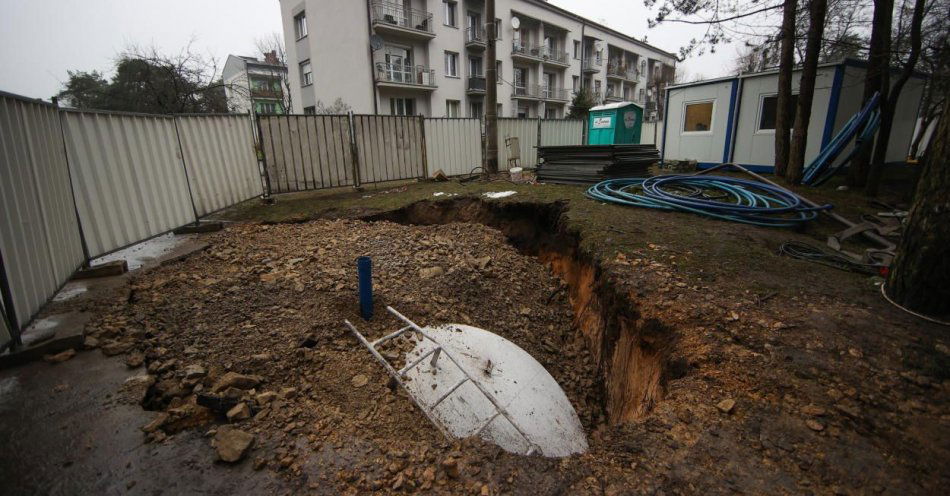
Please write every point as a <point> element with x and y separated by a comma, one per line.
<point>306,73</point>
<point>642,94</point>
<point>768,112</point>
<point>498,75</point>
<point>451,64</point>
<point>577,50</point>
<point>476,110</point>
<point>453,108</point>
<point>523,111</point>
<point>449,9</point>
<point>402,106</point>
<point>311,110</point>
<point>475,67</point>
<point>550,113</point>
<point>575,80</point>
<point>300,25</point>
<point>698,117</point>
<point>497,29</point>
<point>499,109</point>
<point>267,108</point>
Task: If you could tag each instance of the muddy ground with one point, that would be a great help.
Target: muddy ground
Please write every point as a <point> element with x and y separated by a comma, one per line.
<point>692,368</point>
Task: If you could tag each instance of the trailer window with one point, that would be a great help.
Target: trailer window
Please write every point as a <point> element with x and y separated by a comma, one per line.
<point>698,117</point>
<point>767,114</point>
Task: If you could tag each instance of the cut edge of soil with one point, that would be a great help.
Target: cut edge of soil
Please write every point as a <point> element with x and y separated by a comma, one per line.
<point>632,352</point>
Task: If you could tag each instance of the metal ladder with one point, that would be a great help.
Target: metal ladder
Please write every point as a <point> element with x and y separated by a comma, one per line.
<point>435,353</point>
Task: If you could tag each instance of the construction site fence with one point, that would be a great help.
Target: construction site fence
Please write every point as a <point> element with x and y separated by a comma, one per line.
<point>77,185</point>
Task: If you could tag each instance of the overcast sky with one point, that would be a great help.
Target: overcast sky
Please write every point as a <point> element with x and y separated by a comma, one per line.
<point>41,39</point>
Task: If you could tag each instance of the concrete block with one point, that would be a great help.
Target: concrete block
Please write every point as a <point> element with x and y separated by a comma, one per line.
<point>114,268</point>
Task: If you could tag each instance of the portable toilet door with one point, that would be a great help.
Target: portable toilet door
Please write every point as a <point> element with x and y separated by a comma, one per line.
<point>615,124</point>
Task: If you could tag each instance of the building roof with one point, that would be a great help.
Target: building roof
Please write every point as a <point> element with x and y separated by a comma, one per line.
<point>611,106</point>
<point>554,8</point>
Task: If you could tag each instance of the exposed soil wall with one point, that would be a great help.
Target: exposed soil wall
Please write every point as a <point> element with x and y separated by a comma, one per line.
<point>630,350</point>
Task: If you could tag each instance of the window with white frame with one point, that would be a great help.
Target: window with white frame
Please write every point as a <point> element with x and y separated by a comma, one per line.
<point>450,9</point>
<point>498,75</point>
<point>697,116</point>
<point>768,111</point>
<point>402,106</point>
<point>577,50</point>
<point>306,73</point>
<point>300,25</point>
<point>575,81</point>
<point>451,64</point>
<point>453,108</point>
<point>476,110</point>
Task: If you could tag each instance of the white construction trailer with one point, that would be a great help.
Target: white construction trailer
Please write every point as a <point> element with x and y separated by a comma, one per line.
<point>732,119</point>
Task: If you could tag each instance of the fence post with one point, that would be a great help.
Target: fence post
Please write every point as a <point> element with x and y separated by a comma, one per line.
<point>425,154</point>
<point>262,158</point>
<point>539,134</point>
<point>184,166</point>
<point>354,151</point>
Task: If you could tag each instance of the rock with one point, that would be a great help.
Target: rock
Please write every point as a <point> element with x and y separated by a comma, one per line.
<point>235,380</point>
<point>451,467</point>
<point>726,405</point>
<point>136,387</point>
<point>815,425</point>
<point>261,357</point>
<point>483,262</point>
<point>270,277</point>
<point>288,393</point>
<point>485,491</point>
<point>430,272</point>
<point>359,380</point>
<point>134,360</point>
<point>195,372</point>
<point>155,424</point>
<point>90,343</point>
<point>232,444</point>
<point>240,412</point>
<point>813,410</point>
<point>60,357</point>
<point>266,397</point>
<point>856,353</point>
<point>114,348</point>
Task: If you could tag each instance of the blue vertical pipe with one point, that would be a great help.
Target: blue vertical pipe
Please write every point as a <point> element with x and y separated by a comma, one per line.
<point>364,269</point>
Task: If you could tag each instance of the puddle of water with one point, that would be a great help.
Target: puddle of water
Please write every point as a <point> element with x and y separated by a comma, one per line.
<point>140,254</point>
<point>71,290</point>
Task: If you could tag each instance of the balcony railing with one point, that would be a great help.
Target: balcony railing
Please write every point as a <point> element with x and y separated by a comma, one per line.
<point>621,71</point>
<point>527,91</point>
<point>398,15</point>
<point>592,63</point>
<point>540,52</point>
<point>551,93</point>
<point>405,74</point>
<point>476,84</point>
<point>613,97</point>
<point>266,93</point>
<point>475,35</point>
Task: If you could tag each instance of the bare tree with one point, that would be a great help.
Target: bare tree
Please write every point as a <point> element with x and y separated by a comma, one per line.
<point>783,105</point>
<point>273,44</point>
<point>806,92</point>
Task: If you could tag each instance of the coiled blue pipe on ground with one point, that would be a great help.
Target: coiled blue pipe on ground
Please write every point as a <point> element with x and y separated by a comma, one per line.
<point>719,197</point>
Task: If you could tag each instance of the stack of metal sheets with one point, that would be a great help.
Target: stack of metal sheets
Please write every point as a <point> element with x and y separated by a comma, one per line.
<point>588,164</point>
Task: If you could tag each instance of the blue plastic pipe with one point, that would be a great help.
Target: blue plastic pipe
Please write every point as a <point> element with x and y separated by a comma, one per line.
<point>364,269</point>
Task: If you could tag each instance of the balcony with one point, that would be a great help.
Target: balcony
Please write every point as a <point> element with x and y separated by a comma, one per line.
<point>591,64</point>
<point>613,97</point>
<point>621,71</point>
<point>475,38</point>
<point>267,93</point>
<point>395,19</point>
<point>527,92</point>
<point>535,53</point>
<point>555,94</point>
<point>476,85</point>
<point>405,76</point>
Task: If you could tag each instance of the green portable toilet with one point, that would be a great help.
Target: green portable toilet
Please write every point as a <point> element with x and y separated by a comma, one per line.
<point>615,124</point>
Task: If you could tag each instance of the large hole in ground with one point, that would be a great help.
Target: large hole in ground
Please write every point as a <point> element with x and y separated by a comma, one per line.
<point>629,352</point>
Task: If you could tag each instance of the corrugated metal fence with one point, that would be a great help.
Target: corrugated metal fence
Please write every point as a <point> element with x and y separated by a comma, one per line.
<point>77,185</point>
<point>453,145</point>
<point>39,238</point>
<point>532,133</point>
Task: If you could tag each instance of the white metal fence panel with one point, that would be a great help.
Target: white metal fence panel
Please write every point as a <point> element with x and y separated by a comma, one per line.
<point>128,175</point>
<point>304,152</point>
<point>526,130</point>
<point>39,237</point>
<point>453,145</point>
<point>390,147</point>
<point>220,160</point>
<point>649,134</point>
<point>562,132</point>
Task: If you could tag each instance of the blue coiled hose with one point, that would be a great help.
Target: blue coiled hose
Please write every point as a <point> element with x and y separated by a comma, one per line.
<point>720,197</point>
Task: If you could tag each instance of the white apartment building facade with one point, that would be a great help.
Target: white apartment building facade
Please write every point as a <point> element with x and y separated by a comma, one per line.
<point>427,57</point>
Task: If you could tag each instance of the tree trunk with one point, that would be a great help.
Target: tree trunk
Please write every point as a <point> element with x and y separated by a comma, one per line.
<point>919,275</point>
<point>890,106</point>
<point>783,108</point>
<point>806,90</point>
<point>875,79</point>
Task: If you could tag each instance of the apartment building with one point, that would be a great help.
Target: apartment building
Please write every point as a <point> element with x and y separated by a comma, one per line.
<point>427,57</point>
<point>253,85</point>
